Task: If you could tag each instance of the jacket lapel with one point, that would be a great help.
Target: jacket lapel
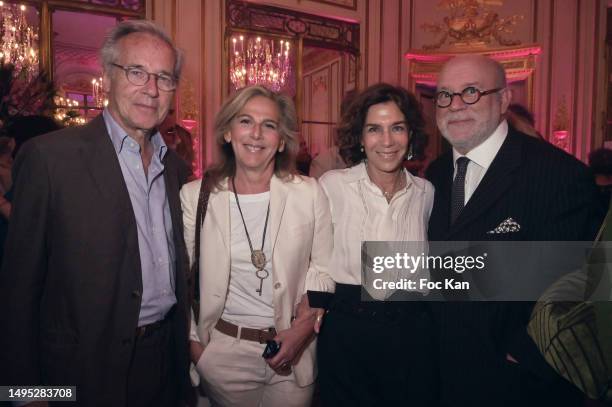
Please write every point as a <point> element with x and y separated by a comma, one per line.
<point>278,197</point>
<point>171,179</point>
<point>497,180</point>
<point>219,211</point>
<point>103,165</point>
<point>100,159</point>
<point>440,216</point>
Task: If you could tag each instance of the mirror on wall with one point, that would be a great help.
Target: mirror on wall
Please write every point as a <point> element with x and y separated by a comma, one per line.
<point>325,62</point>
<point>76,65</point>
<point>48,36</point>
<point>322,81</point>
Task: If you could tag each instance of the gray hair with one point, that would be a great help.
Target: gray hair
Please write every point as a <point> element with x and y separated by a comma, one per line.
<point>109,51</point>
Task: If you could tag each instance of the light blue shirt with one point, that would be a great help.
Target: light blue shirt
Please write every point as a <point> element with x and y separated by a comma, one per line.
<point>152,213</point>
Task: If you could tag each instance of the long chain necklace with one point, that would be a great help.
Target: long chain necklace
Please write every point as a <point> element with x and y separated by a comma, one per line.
<point>258,257</point>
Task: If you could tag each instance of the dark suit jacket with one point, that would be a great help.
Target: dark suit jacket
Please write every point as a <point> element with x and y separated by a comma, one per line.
<point>71,285</point>
<point>554,198</point>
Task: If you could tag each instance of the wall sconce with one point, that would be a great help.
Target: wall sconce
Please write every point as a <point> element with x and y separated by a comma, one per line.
<point>189,124</point>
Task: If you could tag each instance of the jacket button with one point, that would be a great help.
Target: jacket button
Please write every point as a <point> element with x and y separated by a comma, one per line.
<point>136,294</point>
<point>277,285</point>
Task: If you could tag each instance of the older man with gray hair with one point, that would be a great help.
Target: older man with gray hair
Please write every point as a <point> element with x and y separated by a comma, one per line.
<point>93,290</point>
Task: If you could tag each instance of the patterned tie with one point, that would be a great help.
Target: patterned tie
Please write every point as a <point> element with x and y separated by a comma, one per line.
<point>458,192</point>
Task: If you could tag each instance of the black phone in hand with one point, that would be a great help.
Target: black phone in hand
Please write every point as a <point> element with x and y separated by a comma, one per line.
<point>272,348</point>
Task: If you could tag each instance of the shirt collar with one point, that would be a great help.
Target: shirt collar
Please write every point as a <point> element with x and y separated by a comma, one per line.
<point>359,172</point>
<point>118,136</point>
<point>484,153</point>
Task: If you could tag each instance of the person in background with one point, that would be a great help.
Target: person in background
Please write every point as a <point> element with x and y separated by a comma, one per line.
<point>331,159</point>
<point>600,161</point>
<point>93,285</point>
<point>522,119</point>
<point>178,139</point>
<point>376,352</point>
<point>266,239</point>
<point>7,145</point>
<point>18,131</point>
<point>303,158</point>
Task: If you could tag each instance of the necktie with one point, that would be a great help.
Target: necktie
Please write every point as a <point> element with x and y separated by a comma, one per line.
<point>458,192</point>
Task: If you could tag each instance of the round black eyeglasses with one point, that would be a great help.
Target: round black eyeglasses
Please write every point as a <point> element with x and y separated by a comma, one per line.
<point>469,96</point>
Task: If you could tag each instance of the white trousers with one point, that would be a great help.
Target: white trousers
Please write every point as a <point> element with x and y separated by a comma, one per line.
<point>234,374</point>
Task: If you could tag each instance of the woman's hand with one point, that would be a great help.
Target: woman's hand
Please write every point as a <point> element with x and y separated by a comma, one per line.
<point>295,339</point>
<point>195,351</point>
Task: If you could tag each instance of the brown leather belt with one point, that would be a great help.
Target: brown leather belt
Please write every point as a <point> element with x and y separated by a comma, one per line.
<point>249,334</point>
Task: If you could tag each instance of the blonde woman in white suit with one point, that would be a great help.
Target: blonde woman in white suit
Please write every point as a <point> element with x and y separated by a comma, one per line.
<point>265,241</point>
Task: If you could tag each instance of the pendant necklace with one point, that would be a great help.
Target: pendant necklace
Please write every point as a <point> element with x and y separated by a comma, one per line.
<point>389,194</point>
<point>258,257</point>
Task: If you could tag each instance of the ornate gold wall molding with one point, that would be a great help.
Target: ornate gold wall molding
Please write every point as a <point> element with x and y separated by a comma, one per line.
<point>472,24</point>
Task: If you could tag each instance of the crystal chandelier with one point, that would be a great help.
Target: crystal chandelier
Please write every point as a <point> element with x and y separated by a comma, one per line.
<point>18,40</point>
<point>260,61</point>
<point>97,91</point>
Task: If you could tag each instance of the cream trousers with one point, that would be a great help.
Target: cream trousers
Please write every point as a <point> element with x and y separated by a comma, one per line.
<point>234,374</point>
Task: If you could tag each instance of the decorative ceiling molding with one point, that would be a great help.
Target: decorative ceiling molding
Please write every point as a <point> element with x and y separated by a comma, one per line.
<point>64,52</point>
<point>471,24</point>
<point>518,62</point>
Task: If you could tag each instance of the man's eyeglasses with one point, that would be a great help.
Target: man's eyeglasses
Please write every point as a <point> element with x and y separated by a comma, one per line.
<point>140,77</point>
<point>469,96</point>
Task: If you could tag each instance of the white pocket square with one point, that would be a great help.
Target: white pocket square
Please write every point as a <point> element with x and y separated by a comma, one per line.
<point>507,226</point>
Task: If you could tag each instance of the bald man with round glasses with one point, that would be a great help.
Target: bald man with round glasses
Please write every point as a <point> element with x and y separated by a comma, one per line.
<point>498,184</point>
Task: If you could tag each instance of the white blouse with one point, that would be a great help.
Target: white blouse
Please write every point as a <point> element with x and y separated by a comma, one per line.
<point>360,212</point>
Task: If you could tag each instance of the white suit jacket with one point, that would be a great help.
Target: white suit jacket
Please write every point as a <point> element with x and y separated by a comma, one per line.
<point>301,232</point>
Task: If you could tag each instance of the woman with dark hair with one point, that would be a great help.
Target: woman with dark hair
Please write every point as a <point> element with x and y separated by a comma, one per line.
<point>266,239</point>
<point>373,350</point>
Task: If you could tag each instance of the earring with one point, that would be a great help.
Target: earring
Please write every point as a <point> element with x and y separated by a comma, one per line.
<point>409,155</point>
<point>362,149</point>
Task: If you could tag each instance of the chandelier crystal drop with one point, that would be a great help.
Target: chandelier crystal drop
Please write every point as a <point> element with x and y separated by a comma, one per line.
<point>18,40</point>
<point>259,61</point>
